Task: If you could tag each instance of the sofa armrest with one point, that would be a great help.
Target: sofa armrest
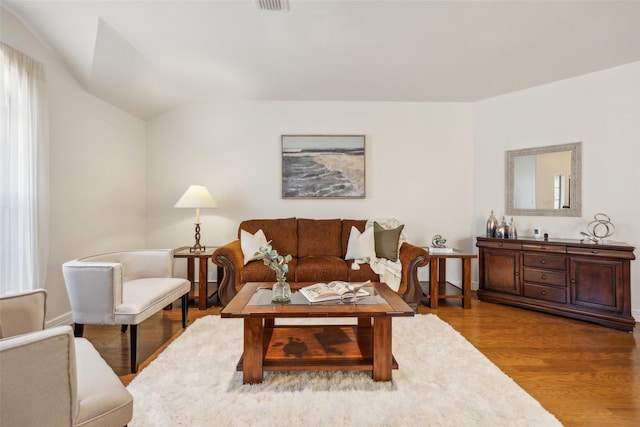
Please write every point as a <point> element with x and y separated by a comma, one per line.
<point>38,372</point>
<point>95,290</point>
<point>230,258</point>
<point>411,257</point>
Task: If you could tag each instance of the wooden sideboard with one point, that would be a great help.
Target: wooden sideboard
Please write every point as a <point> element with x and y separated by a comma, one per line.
<point>569,278</point>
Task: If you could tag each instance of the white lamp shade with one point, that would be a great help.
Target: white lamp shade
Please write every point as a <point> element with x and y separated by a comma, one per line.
<point>196,196</point>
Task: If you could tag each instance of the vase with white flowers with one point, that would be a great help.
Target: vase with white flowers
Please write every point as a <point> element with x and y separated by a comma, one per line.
<point>281,291</point>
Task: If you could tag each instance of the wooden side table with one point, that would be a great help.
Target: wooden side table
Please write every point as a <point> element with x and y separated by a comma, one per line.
<point>438,285</point>
<point>203,267</point>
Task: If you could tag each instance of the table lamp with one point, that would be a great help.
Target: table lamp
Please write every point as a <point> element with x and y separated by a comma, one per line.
<point>196,196</point>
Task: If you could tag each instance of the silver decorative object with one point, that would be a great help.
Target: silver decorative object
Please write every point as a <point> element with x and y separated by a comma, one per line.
<point>599,229</point>
<point>492,224</point>
<point>438,242</point>
<point>502,230</point>
<point>512,232</point>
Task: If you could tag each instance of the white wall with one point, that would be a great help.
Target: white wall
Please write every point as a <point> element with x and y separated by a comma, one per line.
<point>419,160</point>
<point>602,110</point>
<point>97,178</point>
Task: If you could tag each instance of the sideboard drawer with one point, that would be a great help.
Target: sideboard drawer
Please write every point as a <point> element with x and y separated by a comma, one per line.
<point>546,293</point>
<point>546,277</point>
<point>601,253</point>
<point>554,261</point>
<point>501,244</point>
<point>543,247</point>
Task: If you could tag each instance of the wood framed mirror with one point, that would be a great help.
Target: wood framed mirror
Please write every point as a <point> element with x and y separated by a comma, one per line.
<point>544,181</point>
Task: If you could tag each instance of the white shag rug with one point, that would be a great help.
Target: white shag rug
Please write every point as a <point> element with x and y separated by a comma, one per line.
<point>442,380</point>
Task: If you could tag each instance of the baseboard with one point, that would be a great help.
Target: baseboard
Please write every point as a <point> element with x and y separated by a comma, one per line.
<point>64,319</point>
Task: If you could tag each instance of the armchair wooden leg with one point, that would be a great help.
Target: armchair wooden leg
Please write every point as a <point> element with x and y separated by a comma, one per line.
<point>134,346</point>
<point>185,310</point>
<point>78,329</point>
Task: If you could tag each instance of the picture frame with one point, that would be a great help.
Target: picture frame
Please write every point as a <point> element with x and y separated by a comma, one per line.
<point>323,166</point>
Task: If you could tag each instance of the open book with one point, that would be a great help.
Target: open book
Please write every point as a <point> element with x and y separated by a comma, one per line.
<point>330,291</point>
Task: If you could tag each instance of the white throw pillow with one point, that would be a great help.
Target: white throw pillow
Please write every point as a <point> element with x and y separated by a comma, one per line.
<point>251,243</point>
<point>361,245</point>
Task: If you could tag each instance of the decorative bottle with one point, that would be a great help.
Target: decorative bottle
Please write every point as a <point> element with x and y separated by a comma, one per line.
<point>502,230</point>
<point>492,225</point>
<point>512,232</point>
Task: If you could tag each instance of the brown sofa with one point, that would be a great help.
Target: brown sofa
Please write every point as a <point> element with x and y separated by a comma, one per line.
<point>318,248</point>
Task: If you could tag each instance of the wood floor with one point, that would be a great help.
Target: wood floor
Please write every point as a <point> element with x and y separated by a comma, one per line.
<point>585,374</point>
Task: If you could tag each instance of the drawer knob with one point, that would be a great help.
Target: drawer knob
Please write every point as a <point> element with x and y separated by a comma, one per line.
<point>594,251</point>
<point>543,293</point>
<point>544,277</point>
<point>544,261</point>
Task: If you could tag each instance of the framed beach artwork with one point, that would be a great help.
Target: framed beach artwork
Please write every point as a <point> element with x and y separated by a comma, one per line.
<point>323,166</point>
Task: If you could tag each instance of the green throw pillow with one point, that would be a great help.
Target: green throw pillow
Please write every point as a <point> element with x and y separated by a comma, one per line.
<point>387,241</point>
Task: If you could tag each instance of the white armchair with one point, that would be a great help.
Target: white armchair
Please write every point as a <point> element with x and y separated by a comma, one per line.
<point>50,378</point>
<point>123,288</point>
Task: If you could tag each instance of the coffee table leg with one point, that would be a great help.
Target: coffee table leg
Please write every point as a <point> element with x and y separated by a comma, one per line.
<point>364,322</point>
<point>382,356</point>
<point>253,351</point>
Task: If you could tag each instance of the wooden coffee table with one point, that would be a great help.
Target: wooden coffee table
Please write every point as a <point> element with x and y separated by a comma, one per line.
<point>269,346</point>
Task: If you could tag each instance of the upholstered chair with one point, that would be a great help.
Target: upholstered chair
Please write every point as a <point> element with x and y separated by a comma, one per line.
<point>123,288</point>
<point>50,378</point>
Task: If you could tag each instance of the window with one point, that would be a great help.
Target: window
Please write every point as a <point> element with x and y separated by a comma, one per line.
<point>23,172</point>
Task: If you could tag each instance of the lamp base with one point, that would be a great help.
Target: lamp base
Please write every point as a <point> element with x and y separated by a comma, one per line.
<point>197,247</point>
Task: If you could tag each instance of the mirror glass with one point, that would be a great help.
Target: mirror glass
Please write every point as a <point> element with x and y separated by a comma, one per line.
<point>544,180</point>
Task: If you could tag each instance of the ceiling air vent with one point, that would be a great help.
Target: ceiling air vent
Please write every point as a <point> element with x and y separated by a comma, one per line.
<point>272,5</point>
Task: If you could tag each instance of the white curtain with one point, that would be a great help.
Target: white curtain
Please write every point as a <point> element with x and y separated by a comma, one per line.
<point>24,172</point>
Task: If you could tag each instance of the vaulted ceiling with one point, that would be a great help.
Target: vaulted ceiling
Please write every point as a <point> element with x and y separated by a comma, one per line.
<point>148,56</point>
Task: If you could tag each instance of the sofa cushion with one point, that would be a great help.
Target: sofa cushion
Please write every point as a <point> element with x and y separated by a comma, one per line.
<point>321,269</point>
<point>363,274</point>
<point>282,232</point>
<point>102,399</point>
<point>142,298</point>
<point>361,245</point>
<point>251,244</point>
<point>319,237</point>
<point>387,241</point>
<point>346,231</point>
<point>256,271</point>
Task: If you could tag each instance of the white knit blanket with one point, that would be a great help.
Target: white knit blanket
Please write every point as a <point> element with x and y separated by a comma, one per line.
<point>389,271</point>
